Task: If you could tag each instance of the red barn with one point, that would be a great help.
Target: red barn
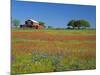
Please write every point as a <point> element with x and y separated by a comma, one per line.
<point>30,23</point>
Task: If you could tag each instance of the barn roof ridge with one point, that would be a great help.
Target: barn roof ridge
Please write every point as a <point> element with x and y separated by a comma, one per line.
<point>34,20</point>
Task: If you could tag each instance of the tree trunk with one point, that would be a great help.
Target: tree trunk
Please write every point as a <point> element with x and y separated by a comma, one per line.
<point>73,27</point>
<point>78,27</point>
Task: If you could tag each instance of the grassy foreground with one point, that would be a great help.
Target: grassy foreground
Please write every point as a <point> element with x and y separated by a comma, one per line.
<point>35,51</point>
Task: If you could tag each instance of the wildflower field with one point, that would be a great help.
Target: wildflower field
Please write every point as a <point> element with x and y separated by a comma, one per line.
<point>36,51</point>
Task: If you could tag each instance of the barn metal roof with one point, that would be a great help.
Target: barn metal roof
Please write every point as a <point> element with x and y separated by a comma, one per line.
<point>34,20</point>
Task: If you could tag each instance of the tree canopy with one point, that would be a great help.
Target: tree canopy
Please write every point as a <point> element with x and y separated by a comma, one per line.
<point>42,23</point>
<point>16,22</point>
<point>50,27</point>
<point>85,23</point>
<point>78,24</point>
<point>71,23</point>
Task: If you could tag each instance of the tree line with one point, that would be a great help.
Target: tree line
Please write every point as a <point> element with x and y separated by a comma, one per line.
<point>72,24</point>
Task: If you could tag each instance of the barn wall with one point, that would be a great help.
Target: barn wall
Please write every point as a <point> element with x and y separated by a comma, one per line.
<point>40,27</point>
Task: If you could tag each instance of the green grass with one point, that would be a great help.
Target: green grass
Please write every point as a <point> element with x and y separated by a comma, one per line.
<point>35,55</point>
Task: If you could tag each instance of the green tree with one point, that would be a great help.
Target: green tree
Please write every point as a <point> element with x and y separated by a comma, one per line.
<point>42,23</point>
<point>16,22</point>
<point>71,24</point>
<point>77,24</point>
<point>84,23</point>
<point>50,27</point>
